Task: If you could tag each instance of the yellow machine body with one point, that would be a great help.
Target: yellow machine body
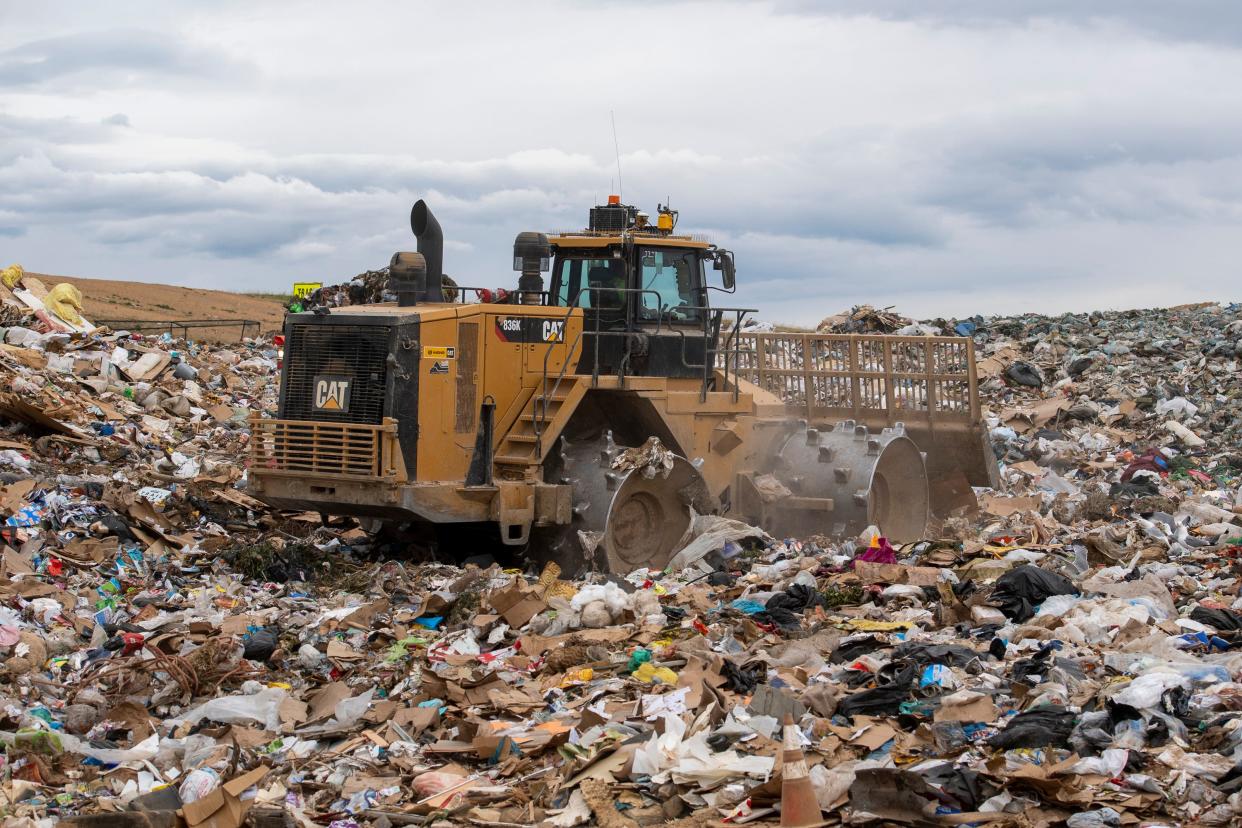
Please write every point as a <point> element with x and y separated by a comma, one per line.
<point>501,414</point>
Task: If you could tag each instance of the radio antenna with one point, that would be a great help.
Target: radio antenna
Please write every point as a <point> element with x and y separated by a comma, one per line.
<point>617,147</point>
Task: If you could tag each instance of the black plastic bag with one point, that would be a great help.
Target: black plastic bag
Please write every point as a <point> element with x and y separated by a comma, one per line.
<point>1043,727</point>
<point>1024,373</point>
<point>880,701</point>
<point>260,645</point>
<point>797,598</point>
<point>1220,619</point>
<point>953,655</point>
<point>847,651</point>
<point>739,679</point>
<point>1020,590</point>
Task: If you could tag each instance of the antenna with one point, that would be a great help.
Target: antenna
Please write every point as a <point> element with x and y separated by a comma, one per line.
<point>616,146</point>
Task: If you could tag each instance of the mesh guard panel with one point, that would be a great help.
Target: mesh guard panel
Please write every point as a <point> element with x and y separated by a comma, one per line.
<point>359,352</point>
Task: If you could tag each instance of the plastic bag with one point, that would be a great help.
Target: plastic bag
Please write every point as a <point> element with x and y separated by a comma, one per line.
<point>12,275</point>
<point>65,301</point>
<point>1110,763</point>
<point>1179,407</point>
<point>197,784</point>
<point>649,674</point>
<point>1144,692</point>
<point>144,750</point>
<point>1044,727</point>
<point>1020,590</point>
<point>263,707</point>
<point>434,783</point>
<point>1058,605</point>
<point>1103,818</point>
<point>349,711</point>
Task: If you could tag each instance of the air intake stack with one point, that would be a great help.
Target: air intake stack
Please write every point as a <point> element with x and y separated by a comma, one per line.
<point>407,273</point>
<point>532,256</point>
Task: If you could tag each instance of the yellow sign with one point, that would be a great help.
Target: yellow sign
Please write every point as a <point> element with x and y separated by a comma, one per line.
<point>436,352</point>
<point>303,290</point>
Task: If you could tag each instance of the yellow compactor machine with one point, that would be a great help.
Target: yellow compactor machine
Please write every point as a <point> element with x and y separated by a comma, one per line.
<point>512,415</point>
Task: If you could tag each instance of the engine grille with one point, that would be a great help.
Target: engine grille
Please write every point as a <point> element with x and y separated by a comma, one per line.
<point>359,352</point>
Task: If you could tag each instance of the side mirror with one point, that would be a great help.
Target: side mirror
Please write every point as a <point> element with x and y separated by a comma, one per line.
<point>724,263</point>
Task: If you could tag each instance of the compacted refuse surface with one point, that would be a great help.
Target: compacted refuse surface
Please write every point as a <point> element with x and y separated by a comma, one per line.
<point>1061,651</point>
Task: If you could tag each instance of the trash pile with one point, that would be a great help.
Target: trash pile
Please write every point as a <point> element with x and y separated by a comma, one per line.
<point>367,288</point>
<point>373,287</point>
<point>1063,654</point>
<point>864,319</point>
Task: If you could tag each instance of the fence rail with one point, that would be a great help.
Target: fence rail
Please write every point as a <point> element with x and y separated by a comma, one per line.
<point>863,377</point>
<point>246,327</point>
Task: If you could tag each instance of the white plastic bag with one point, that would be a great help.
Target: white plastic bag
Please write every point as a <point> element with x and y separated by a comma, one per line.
<point>349,711</point>
<point>1145,691</point>
<point>263,707</point>
<point>197,784</point>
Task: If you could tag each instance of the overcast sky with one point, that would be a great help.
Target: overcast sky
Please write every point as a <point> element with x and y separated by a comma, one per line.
<point>983,157</point>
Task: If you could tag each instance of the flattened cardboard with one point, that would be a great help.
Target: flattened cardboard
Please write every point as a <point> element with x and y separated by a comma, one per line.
<point>1006,506</point>
<point>772,701</point>
<point>224,807</point>
<point>415,720</point>
<point>516,604</point>
<point>323,703</point>
<point>878,573</point>
<point>340,651</point>
<point>966,707</point>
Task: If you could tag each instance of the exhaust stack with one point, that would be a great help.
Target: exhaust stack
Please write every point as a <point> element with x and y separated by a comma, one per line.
<point>431,245</point>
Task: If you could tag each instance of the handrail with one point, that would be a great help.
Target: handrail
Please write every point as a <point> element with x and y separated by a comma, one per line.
<point>709,324</point>
<point>541,405</point>
<point>460,295</point>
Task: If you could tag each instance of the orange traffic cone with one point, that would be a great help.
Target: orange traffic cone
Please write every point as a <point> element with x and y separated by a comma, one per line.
<point>799,807</point>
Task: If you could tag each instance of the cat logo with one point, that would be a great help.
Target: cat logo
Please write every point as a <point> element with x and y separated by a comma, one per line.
<point>554,330</point>
<point>332,393</point>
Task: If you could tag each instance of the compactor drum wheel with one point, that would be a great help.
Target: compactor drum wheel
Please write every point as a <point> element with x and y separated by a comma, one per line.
<point>635,518</point>
<point>871,478</point>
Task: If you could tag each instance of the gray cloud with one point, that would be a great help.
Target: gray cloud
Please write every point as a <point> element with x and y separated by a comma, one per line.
<point>125,56</point>
<point>1212,21</point>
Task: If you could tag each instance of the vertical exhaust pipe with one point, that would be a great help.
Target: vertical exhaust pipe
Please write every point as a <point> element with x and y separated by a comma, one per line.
<point>431,246</point>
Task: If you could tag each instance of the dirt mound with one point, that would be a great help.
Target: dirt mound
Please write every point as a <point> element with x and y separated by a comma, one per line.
<point>105,299</point>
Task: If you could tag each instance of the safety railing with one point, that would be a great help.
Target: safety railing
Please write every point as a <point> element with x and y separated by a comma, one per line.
<point>180,328</point>
<point>851,376</point>
<point>345,450</point>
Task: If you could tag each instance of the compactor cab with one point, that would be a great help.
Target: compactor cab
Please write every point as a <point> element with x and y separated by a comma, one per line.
<point>591,413</point>
<point>629,274</point>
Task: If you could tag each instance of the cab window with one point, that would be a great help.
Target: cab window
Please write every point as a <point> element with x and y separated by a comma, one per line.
<point>590,282</point>
<point>672,283</point>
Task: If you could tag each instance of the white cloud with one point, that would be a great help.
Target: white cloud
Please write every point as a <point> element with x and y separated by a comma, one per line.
<point>950,161</point>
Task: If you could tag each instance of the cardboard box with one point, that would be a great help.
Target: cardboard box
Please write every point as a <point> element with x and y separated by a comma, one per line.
<point>224,807</point>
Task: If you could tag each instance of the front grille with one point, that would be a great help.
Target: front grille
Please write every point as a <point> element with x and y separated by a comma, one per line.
<point>297,448</point>
<point>357,352</point>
